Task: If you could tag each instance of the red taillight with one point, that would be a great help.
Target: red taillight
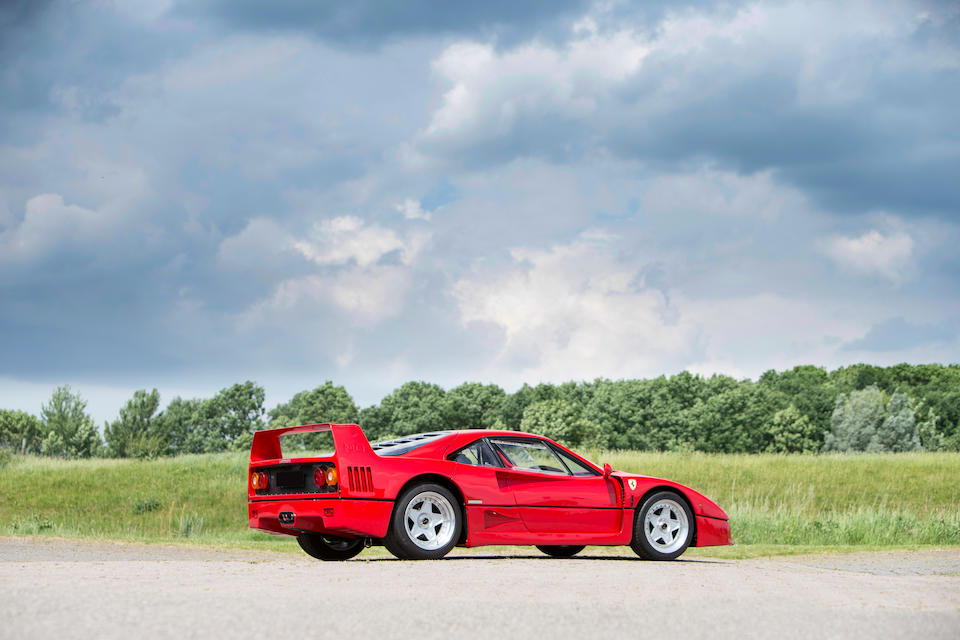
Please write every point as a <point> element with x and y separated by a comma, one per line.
<point>319,477</point>
<point>331,476</point>
<point>258,480</point>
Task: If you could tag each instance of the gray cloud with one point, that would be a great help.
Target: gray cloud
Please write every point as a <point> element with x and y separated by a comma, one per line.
<point>171,184</point>
<point>898,334</point>
<point>369,23</point>
<point>861,119</point>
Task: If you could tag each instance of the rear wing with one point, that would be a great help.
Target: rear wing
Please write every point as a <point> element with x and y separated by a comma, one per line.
<point>348,439</point>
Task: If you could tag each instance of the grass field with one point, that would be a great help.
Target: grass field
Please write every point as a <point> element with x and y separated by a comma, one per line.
<point>778,504</point>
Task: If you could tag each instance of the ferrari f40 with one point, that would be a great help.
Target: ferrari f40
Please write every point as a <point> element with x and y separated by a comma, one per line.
<point>421,495</point>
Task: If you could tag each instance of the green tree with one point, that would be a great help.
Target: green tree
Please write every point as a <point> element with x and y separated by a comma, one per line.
<point>793,432</point>
<point>70,432</point>
<point>734,421</point>
<point>137,432</point>
<point>374,422</point>
<point>516,403</point>
<point>473,405</point>
<point>620,414</point>
<point>20,431</point>
<point>414,407</point>
<point>855,420</point>
<point>325,403</point>
<point>225,421</point>
<point>557,419</point>
<point>179,424</point>
<point>228,419</point>
<point>807,388</point>
<point>898,431</point>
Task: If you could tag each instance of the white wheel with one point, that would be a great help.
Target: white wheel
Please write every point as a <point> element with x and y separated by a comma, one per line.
<point>666,526</point>
<point>430,520</point>
<point>426,523</point>
<point>663,527</point>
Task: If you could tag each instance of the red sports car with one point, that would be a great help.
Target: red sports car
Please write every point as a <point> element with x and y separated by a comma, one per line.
<point>423,494</point>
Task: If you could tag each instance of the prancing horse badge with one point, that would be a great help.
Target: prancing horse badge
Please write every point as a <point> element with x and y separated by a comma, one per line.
<point>632,483</point>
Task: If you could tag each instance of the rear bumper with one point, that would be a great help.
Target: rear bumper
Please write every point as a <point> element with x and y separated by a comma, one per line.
<point>344,517</point>
<point>712,532</point>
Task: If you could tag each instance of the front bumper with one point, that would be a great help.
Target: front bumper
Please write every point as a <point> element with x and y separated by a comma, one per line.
<point>336,516</point>
<point>712,532</point>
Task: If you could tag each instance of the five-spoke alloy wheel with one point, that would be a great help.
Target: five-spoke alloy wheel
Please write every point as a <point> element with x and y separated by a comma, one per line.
<point>663,528</point>
<point>329,548</point>
<point>426,523</point>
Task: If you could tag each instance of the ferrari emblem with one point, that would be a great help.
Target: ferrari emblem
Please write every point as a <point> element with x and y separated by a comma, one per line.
<point>632,483</point>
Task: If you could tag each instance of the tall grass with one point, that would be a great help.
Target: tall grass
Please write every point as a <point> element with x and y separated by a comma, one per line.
<point>864,499</point>
<point>201,497</point>
<point>858,499</point>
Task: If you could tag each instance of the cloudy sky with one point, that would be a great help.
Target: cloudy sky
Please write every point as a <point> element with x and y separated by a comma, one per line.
<point>198,193</point>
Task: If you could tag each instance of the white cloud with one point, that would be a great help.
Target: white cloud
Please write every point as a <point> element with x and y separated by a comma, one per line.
<point>578,310</point>
<point>604,86</point>
<point>263,240</point>
<point>356,275</point>
<point>746,335</point>
<point>574,312</point>
<point>412,210</point>
<point>872,253</point>
<point>369,295</point>
<point>347,239</point>
<point>49,222</point>
<point>721,193</point>
<point>492,90</point>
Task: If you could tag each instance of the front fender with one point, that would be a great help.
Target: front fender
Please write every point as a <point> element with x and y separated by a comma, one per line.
<point>642,485</point>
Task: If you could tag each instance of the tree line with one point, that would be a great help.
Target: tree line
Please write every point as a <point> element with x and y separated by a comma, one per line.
<point>806,409</point>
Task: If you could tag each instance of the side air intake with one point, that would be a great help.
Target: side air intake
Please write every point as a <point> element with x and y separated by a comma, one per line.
<point>360,479</point>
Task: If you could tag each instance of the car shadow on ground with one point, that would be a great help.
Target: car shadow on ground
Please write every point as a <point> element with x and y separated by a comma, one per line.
<point>545,558</point>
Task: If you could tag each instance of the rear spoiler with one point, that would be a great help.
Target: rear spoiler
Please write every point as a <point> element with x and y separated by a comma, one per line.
<point>347,438</point>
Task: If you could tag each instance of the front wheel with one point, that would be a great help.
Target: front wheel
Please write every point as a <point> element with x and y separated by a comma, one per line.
<point>561,550</point>
<point>663,528</point>
<point>426,523</point>
<point>329,548</point>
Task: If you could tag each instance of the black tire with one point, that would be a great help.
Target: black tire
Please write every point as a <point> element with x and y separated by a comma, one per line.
<point>429,497</point>
<point>561,550</point>
<point>668,507</point>
<point>329,548</point>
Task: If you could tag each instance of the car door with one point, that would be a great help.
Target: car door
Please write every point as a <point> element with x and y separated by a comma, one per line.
<point>491,510</point>
<point>550,495</point>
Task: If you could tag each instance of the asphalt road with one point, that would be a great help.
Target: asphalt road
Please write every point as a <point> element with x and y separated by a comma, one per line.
<point>70,589</point>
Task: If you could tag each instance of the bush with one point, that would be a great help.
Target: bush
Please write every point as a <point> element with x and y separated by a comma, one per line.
<point>30,525</point>
<point>190,524</point>
<point>146,505</point>
<point>792,432</point>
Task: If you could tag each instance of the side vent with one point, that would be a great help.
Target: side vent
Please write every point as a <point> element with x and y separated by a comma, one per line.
<point>360,479</point>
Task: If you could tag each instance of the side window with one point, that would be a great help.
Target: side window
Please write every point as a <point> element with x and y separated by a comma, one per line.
<point>576,467</point>
<point>532,455</point>
<point>478,454</point>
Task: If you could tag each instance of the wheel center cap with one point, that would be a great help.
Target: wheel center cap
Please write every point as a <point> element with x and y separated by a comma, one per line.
<point>424,522</point>
<point>663,526</point>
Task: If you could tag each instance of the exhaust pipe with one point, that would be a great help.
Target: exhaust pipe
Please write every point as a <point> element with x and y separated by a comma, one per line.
<point>286,517</point>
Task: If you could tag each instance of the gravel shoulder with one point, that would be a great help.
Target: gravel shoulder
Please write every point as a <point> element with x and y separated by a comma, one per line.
<point>114,590</point>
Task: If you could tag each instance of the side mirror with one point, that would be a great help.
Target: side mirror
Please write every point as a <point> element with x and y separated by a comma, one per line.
<point>607,469</point>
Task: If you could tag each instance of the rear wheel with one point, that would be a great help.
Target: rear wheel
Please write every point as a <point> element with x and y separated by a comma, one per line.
<point>329,548</point>
<point>663,528</point>
<point>561,550</point>
<point>426,523</point>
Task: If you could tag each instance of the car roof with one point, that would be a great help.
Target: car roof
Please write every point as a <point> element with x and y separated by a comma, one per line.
<point>436,444</point>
